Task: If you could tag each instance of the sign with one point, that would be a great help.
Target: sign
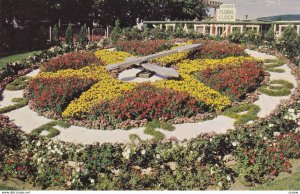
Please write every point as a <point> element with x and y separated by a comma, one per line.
<point>226,13</point>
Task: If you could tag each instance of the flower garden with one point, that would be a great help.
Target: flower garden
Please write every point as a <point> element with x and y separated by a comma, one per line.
<point>73,88</point>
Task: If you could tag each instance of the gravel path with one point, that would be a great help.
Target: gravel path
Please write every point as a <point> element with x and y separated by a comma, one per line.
<point>29,120</point>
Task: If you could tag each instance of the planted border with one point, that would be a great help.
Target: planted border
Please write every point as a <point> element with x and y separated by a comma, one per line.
<point>50,128</point>
<point>157,135</point>
<point>283,90</point>
<point>273,67</point>
<point>18,84</point>
<point>234,112</point>
<point>20,102</point>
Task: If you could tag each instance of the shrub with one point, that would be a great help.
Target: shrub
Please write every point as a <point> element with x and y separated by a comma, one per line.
<point>54,94</point>
<point>10,136</point>
<point>75,60</point>
<point>136,47</point>
<point>148,102</point>
<point>233,81</point>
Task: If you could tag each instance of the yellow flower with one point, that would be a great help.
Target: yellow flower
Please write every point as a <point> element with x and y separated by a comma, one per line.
<point>105,89</point>
<point>111,57</point>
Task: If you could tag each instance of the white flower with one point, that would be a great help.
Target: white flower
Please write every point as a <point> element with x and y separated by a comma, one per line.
<point>126,153</point>
<point>143,152</point>
<point>199,159</point>
<point>228,178</point>
<point>271,125</point>
<point>38,143</point>
<point>275,134</point>
<point>265,138</point>
<point>212,171</point>
<point>220,184</point>
<point>291,110</point>
<point>157,156</point>
<point>92,181</point>
<point>235,144</point>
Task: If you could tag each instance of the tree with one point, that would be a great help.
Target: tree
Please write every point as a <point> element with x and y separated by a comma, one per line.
<point>55,38</point>
<point>69,34</point>
<point>270,36</point>
<point>289,42</point>
<point>83,36</point>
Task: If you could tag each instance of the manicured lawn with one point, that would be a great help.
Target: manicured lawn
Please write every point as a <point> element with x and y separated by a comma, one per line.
<point>17,57</point>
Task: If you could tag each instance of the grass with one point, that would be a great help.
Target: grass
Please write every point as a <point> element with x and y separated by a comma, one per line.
<point>50,128</point>
<point>288,183</point>
<point>273,67</point>
<point>281,88</point>
<point>284,181</point>
<point>18,84</point>
<point>251,113</point>
<point>157,135</point>
<point>16,57</point>
<point>4,187</point>
<point>20,102</point>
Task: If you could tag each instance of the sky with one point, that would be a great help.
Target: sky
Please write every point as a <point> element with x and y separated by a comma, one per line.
<point>261,8</point>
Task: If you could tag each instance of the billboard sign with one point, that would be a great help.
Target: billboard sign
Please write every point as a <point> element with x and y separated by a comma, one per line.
<point>226,13</point>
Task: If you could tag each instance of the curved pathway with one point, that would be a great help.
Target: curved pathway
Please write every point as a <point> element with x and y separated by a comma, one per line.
<point>28,120</point>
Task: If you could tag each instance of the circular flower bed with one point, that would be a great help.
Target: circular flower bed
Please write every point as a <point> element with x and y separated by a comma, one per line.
<point>76,87</point>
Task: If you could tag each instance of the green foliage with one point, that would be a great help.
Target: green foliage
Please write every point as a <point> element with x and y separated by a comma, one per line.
<point>289,42</point>
<point>69,35</point>
<point>235,113</point>
<point>270,36</point>
<point>20,102</point>
<point>249,37</point>
<point>50,128</point>
<point>18,84</point>
<point>55,36</point>
<point>155,124</point>
<point>83,36</point>
<point>13,58</point>
<point>273,66</point>
<point>284,88</point>
<point>288,183</point>
<point>116,32</point>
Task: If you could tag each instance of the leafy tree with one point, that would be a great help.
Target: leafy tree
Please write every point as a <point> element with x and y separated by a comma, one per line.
<point>69,35</point>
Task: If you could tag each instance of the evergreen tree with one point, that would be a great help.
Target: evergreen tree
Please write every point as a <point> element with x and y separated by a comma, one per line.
<point>69,35</point>
<point>55,38</point>
<point>270,36</point>
<point>83,36</point>
<point>115,33</point>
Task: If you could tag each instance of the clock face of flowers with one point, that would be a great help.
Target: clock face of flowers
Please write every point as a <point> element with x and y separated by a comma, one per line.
<point>77,86</point>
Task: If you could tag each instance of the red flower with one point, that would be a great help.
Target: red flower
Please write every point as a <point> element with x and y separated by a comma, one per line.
<point>19,168</point>
<point>274,172</point>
